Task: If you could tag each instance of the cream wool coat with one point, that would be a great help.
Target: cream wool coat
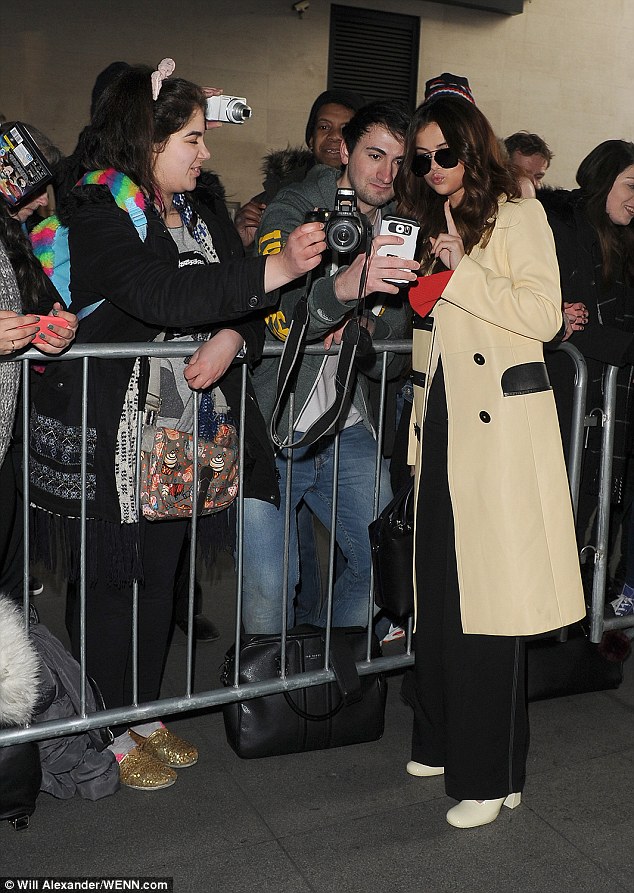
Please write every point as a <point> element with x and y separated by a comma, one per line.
<point>518,569</point>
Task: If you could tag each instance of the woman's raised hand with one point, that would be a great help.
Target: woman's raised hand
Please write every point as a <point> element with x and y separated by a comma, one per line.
<point>301,254</point>
<point>212,91</point>
<point>448,246</point>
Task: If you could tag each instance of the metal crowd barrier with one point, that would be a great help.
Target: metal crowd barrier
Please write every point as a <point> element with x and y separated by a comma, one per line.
<point>189,700</point>
<point>600,618</point>
<point>215,697</point>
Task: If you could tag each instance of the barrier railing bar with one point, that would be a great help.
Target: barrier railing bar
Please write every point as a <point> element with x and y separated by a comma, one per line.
<point>216,698</point>
<point>219,696</point>
<point>597,622</point>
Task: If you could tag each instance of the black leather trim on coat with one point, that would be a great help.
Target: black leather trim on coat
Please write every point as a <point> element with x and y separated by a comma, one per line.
<point>418,379</point>
<point>423,322</point>
<point>525,378</point>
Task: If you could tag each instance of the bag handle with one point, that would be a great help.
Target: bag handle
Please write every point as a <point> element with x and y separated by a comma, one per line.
<point>346,677</point>
<point>314,717</point>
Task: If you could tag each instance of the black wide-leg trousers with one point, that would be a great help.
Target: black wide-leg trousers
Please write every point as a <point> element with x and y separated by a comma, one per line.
<point>470,709</point>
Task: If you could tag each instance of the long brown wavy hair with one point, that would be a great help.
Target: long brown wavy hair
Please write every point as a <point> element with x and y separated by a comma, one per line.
<point>487,177</point>
<point>596,175</point>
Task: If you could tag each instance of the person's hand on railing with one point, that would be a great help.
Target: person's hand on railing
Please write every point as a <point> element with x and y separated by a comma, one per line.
<point>212,359</point>
<point>335,336</point>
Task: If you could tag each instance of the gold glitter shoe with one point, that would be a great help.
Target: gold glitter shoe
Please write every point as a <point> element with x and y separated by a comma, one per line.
<point>144,772</point>
<point>166,747</point>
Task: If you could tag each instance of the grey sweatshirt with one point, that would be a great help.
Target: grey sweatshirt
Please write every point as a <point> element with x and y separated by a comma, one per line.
<point>326,312</point>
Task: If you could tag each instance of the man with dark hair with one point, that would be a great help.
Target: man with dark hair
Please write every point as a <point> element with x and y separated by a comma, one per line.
<point>530,154</point>
<point>371,153</point>
<point>329,113</point>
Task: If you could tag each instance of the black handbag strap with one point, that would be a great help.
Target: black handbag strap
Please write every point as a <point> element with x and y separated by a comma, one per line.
<point>397,514</point>
<point>346,676</point>
<point>344,667</point>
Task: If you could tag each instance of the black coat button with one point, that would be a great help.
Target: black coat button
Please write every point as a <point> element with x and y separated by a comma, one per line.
<point>253,301</point>
<point>479,359</point>
<point>485,417</point>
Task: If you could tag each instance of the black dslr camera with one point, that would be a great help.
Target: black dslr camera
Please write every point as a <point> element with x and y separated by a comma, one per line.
<point>346,228</point>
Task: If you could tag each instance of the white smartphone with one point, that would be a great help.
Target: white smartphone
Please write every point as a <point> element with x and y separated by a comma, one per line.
<point>407,230</point>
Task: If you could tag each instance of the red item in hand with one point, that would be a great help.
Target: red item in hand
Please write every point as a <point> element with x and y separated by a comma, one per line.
<point>427,290</point>
<point>46,320</point>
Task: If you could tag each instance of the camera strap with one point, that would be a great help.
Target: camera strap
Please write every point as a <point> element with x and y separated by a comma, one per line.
<point>355,341</point>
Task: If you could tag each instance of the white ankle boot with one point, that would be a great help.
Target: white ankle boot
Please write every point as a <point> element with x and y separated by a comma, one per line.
<point>420,770</point>
<point>472,813</point>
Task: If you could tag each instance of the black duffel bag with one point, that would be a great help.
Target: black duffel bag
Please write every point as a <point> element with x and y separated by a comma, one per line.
<point>350,710</point>
<point>20,779</point>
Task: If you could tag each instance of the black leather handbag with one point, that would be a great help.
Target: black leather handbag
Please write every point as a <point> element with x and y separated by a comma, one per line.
<point>558,669</point>
<point>350,710</point>
<point>392,546</point>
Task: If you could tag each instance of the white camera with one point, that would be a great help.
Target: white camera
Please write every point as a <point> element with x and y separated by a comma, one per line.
<point>233,109</point>
<point>301,7</point>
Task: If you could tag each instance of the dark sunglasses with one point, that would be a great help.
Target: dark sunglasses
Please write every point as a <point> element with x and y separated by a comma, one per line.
<point>421,164</point>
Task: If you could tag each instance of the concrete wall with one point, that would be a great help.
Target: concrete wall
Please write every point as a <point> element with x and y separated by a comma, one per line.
<point>564,68</point>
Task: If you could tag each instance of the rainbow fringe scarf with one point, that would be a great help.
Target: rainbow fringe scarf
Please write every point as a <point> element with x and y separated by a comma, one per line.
<point>50,238</point>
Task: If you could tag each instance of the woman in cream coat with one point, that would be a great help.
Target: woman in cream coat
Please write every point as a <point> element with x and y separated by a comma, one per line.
<point>496,557</point>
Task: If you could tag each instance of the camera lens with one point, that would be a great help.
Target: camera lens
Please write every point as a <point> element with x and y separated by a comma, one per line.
<point>237,112</point>
<point>399,228</point>
<point>343,236</point>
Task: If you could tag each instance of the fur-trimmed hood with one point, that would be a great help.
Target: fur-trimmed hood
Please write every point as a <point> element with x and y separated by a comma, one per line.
<point>19,667</point>
<point>562,202</point>
<point>283,166</point>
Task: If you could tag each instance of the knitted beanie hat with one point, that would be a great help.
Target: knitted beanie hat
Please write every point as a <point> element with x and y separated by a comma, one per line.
<point>347,98</point>
<point>448,85</point>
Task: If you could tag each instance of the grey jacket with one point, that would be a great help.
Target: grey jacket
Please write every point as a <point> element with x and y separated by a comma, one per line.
<point>74,764</point>
<point>326,312</point>
<point>9,371</point>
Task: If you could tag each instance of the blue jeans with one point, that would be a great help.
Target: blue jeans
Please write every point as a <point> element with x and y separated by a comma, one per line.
<point>312,478</point>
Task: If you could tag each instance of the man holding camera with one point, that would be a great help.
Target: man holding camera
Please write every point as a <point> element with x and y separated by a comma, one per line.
<point>371,153</point>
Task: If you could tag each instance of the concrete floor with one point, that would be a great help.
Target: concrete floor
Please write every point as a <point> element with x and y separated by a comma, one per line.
<point>348,820</point>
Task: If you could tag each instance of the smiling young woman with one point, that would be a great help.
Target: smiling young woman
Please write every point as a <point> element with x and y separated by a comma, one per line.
<point>594,238</point>
<point>183,278</point>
